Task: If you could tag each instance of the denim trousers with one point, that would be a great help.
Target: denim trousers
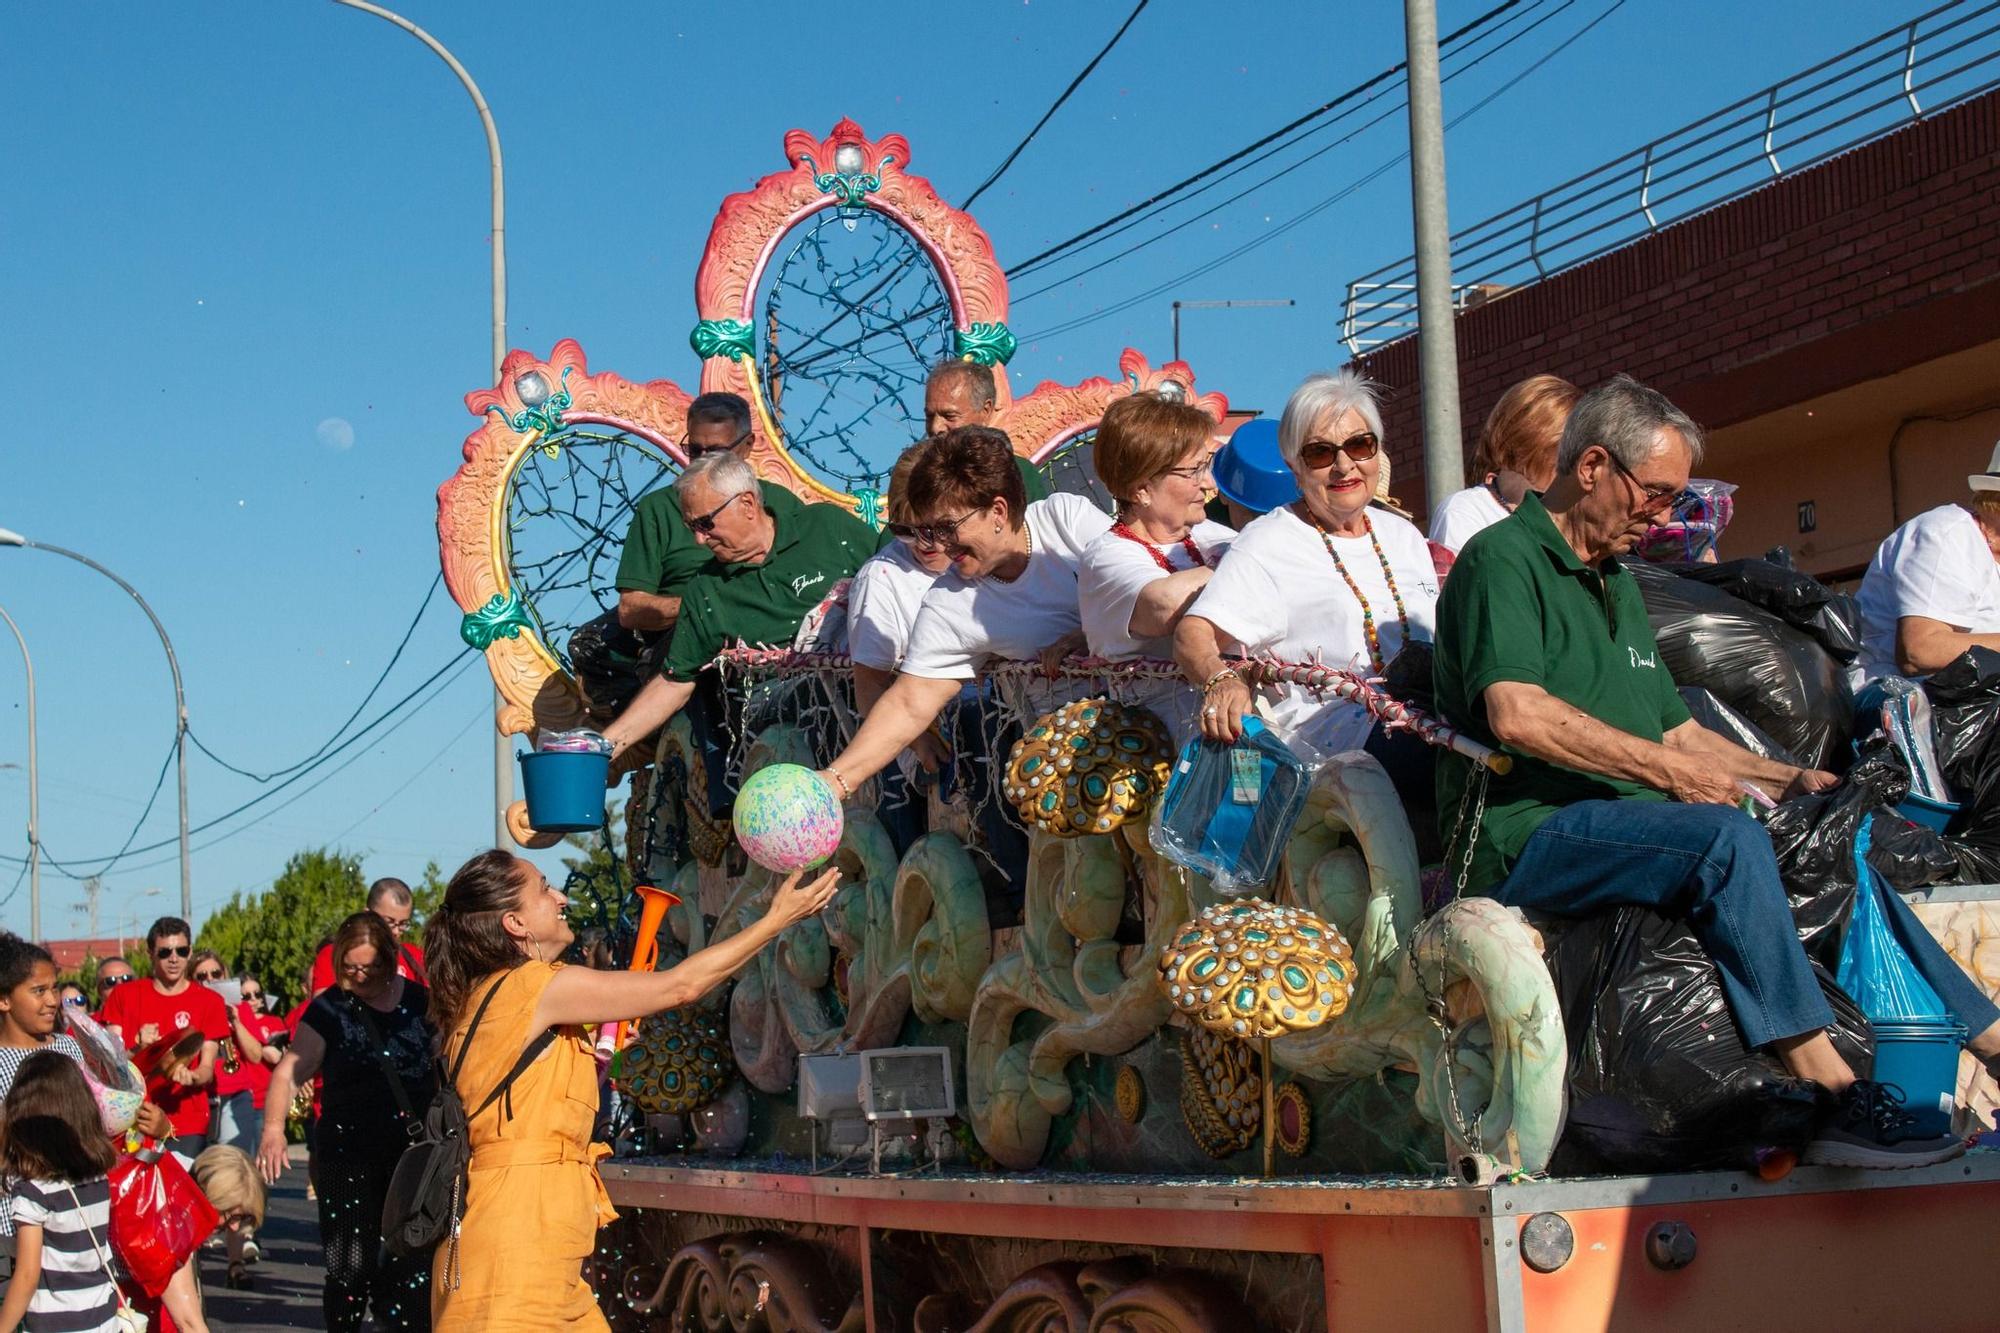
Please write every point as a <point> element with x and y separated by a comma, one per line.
<point>1713,866</point>
<point>237,1122</point>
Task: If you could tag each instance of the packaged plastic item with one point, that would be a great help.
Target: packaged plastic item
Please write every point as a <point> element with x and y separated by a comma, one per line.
<point>1229,810</point>
<point>159,1217</point>
<point>582,740</point>
<point>1659,1076</point>
<point>1694,525</point>
<point>1773,673</point>
<point>1906,718</point>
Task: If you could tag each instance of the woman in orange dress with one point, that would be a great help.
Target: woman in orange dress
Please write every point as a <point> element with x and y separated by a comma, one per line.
<point>535,1201</point>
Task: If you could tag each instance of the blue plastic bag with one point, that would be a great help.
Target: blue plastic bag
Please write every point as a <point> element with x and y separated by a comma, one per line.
<point>1229,810</point>
<point>1874,968</point>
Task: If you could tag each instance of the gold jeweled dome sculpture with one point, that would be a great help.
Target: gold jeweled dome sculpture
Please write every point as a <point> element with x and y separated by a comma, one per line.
<point>1089,767</point>
<point>1254,970</point>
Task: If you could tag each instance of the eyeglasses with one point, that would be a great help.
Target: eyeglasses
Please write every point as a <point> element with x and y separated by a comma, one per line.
<point>1358,448</point>
<point>108,982</point>
<point>76,1002</point>
<point>937,536</point>
<point>694,451</point>
<point>1194,472</point>
<point>902,532</point>
<point>705,523</point>
<point>172,951</point>
<point>365,969</point>
<point>1658,497</point>
<point>208,976</point>
<point>397,927</point>
<point>252,996</point>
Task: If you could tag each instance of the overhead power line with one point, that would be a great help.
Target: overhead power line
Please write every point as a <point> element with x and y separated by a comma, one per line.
<point>1054,107</point>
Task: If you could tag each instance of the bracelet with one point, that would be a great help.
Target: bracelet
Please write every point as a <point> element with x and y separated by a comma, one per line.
<point>846,792</point>
<point>1227,673</point>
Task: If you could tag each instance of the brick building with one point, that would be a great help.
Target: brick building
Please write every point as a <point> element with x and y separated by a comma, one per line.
<point>1837,332</point>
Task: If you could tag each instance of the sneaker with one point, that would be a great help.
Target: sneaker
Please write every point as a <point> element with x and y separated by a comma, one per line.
<point>1870,1128</point>
<point>251,1253</point>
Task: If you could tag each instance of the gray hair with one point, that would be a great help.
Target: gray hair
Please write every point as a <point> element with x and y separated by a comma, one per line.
<point>724,474</point>
<point>978,380</point>
<point>1626,418</point>
<point>1329,392</point>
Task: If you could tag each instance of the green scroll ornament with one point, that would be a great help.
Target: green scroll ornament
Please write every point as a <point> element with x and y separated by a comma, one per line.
<point>503,617</point>
<point>988,344</point>
<point>733,338</point>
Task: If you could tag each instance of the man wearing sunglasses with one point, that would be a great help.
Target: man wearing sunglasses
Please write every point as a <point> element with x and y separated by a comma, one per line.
<point>153,1012</point>
<point>1616,797</point>
<point>660,553</point>
<point>780,560</point>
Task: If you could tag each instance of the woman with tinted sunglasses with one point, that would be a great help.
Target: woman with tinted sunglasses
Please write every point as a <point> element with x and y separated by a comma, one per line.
<point>1327,579</point>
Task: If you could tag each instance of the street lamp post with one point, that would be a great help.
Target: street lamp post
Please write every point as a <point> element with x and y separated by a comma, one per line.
<point>1437,347</point>
<point>8,538</point>
<point>503,745</point>
<point>34,794</point>
<point>1213,305</point>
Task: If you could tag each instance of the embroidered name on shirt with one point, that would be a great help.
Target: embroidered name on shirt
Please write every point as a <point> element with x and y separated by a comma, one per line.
<point>1646,661</point>
<point>804,581</point>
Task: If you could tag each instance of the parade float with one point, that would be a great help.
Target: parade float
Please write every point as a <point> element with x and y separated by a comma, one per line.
<point>951,1104</point>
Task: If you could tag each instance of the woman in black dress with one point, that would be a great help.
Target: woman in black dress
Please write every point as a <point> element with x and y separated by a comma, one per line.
<point>370,1040</point>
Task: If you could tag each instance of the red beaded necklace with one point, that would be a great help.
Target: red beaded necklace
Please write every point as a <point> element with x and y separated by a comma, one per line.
<point>1368,629</point>
<point>1159,556</point>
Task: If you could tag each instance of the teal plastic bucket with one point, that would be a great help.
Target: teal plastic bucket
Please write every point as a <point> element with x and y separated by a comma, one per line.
<point>1932,814</point>
<point>564,790</point>
<point>1920,1056</point>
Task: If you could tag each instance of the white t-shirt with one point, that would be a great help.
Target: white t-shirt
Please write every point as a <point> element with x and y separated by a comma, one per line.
<point>882,606</point>
<point>964,622</point>
<point>1938,566</point>
<point>1117,569</point>
<point>1279,595</point>
<point>1463,513</point>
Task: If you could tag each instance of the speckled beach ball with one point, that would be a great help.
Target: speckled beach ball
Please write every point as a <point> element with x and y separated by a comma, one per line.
<point>787,818</point>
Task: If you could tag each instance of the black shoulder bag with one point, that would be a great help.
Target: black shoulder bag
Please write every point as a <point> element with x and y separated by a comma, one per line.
<point>427,1190</point>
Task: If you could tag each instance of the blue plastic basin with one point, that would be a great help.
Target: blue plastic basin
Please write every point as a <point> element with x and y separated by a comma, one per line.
<point>1919,1056</point>
<point>1923,810</point>
<point>565,791</point>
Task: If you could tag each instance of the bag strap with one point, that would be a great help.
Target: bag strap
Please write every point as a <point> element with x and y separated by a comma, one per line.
<point>378,1047</point>
<point>529,1054</point>
<point>102,1256</point>
<point>451,1075</point>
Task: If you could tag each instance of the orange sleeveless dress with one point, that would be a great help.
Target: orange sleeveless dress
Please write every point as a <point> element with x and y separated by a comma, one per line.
<point>535,1200</point>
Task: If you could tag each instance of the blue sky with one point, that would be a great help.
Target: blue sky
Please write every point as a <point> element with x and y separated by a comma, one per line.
<point>243,270</point>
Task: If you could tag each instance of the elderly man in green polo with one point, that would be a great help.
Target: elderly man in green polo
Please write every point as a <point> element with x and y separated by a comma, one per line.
<point>777,560</point>
<point>1616,797</point>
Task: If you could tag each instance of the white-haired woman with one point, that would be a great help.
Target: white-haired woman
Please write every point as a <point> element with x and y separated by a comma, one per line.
<point>1325,579</point>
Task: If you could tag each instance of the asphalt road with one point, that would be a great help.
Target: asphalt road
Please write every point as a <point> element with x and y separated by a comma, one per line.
<point>286,1284</point>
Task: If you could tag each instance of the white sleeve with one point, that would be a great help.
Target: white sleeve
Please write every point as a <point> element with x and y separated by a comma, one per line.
<point>1243,601</point>
<point>1457,520</point>
<point>1077,522</point>
<point>938,649</point>
<point>1930,576</point>
<point>877,626</point>
<point>1108,587</point>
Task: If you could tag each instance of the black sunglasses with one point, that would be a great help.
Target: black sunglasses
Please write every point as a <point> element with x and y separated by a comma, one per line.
<point>172,951</point>
<point>705,523</point>
<point>108,982</point>
<point>208,976</point>
<point>1358,448</point>
<point>694,451</point>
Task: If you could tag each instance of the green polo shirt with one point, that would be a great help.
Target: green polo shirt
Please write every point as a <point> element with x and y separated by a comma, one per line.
<point>1032,478</point>
<point>660,553</point>
<point>1521,606</point>
<point>816,546</point>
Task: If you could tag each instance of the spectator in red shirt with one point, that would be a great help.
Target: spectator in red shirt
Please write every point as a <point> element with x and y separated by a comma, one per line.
<point>244,1072</point>
<point>391,900</point>
<point>143,1013</point>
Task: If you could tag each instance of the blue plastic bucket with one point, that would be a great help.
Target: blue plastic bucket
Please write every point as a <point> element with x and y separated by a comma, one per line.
<point>1920,1056</point>
<point>565,790</point>
<point>1923,810</point>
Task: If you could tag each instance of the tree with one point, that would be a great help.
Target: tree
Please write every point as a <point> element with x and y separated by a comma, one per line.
<point>276,934</point>
<point>425,895</point>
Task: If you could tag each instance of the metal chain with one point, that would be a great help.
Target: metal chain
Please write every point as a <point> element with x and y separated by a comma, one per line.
<point>1472,803</point>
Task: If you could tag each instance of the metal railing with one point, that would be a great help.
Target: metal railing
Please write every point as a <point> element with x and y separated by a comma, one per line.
<point>1943,57</point>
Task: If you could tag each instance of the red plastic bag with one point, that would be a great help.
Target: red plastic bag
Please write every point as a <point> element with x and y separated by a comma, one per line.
<point>159,1217</point>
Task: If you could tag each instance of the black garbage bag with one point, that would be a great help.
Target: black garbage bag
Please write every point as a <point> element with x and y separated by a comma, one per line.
<point>1725,721</point>
<point>613,663</point>
<point>1659,1076</point>
<point>1832,618</point>
<point>1965,731</point>
<point>1814,838</point>
<point>1408,679</point>
<point>1772,673</point>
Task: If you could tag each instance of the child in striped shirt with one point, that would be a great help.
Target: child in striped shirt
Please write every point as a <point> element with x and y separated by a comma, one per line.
<point>54,1157</point>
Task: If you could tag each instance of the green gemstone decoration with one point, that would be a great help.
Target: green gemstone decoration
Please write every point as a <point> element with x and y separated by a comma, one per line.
<point>989,344</point>
<point>1310,932</point>
<point>1256,936</point>
<point>1033,764</point>
<point>1095,787</point>
<point>1295,977</point>
<point>1189,940</point>
<point>548,418</point>
<point>1049,800</point>
<point>733,338</point>
<point>1246,998</point>
<point>503,617</point>
<point>1205,968</point>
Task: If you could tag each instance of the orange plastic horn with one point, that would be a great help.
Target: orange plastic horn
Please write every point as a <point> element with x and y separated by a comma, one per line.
<point>653,905</point>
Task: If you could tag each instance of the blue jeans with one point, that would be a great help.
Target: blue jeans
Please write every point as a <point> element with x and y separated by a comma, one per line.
<point>237,1122</point>
<point>1713,866</point>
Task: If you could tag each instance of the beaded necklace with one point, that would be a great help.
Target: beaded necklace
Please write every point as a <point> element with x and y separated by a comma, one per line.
<point>1027,531</point>
<point>1368,629</point>
<point>1159,556</point>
